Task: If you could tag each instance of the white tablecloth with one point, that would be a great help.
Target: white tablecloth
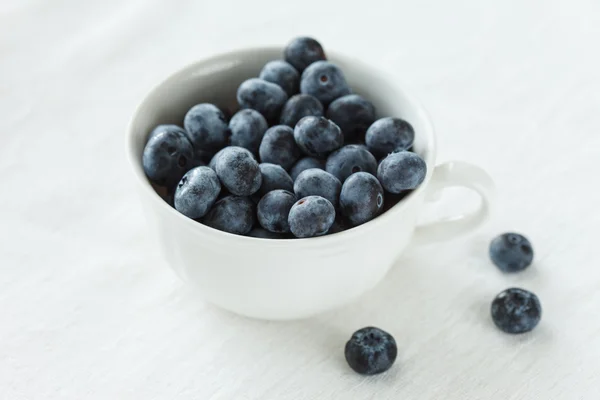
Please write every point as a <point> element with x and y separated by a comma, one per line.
<point>88,309</point>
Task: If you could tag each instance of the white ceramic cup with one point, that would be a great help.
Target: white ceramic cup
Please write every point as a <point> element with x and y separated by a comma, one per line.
<point>293,278</point>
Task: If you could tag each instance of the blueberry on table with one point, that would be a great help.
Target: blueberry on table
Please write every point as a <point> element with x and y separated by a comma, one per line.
<point>233,214</point>
<point>388,135</point>
<point>401,171</point>
<point>197,192</point>
<point>353,114</point>
<point>316,182</point>
<point>371,351</point>
<point>279,147</point>
<point>298,107</point>
<point>361,198</point>
<point>318,136</point>
<point>168,155</point>
<point>351,159</point>
<point>304,164</point>
<point>265,97</point>
<point>274,177</point>
<point>273,210</point>
<point>238,171</point>
<point>516,311</point>
<point>206,127</point>
<point>311,216</point>
<point>247,128</point>
<point>283,74</point>
<point>511,252</point>
<point>325,81</point>
<point>303,51</point>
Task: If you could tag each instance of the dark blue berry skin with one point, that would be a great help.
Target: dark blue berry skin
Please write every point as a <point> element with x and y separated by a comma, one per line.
<point>197,192</point>
<point>279,147</point>
<point>167,156</point>
<point>325,81</point>
<point>206,127</point>
<point>304,164</point>
<point>202,157</point>
<point>511,252</point>
<point>339,225</point>
<point>165,127</point>
<point>361,198</point>
<point>303,51</point>
<point>316,182</point>
<point>401,171</point>
<point>388,135</point>
<point>247,129</point>
<point>298,107</point>
<point>318,136</point>
<point>233,214</point>
<point>261,233</point>
<point>273,210</point>
<point>353,114</point>
<point>371,351</point>
<point>311,216</point>
<point>238,171</point>
<point>516,311</point>
<point>283,74</point>
<point>349,160</point>
<point>274,177</point>
<point>265,97</point>
<point>213,161</point>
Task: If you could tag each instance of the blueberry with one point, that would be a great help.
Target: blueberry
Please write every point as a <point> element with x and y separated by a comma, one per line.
<point>311,216</point>
<point>213,161</point>
<point>401,171</point>
<point>318,136</point>
<point>274,177</point>
<point>231,214</point>
<point>206,127</point>
<point>298,107</point>
<point>279,147</point>
<point>165,127</point>
<point>247,129</point>
<point>238,171</point>
<point>197,192</point>
<point>325,81</point>
<point>511,252</point>
<point>273,210</point>
<point>316,182</point>
<point>304,164</point>
<point>349,160</point>
<point>371,351</point>
<point>303,51</point>
<point>283,74</point>
<point>167,156</point>
<point>361,198</point>
<point>339,225</point>
<point>353,114</point>
<point>265,97</point>
<point>388,135</point>
<point>516,311</point>
<point>262,233</point>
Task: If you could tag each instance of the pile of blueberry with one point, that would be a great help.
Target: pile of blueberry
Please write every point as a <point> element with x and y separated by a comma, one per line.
<point>303,157</point>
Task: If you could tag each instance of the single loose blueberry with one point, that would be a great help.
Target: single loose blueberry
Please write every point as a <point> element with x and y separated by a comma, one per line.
<point>325,81</point>
<point>265,97</point>
<point>168,155</point>
<point>318,136</point>
<point>298,107</point>
<point>349,160</point>
<point>353,114</point>
<point>361,198</point>
<point>238,171</point>
<point>274,177</point>
<point>273,210</point>
<point>233,214</point>
<point>511,252</point>
<point>516,310</point>
<point>311,216</point>
<point>401,171</point>
<point>303,51</point>
<point>206,127</point>
<point>371,351</point>
<point>197,192</point>
<point>279,147</point>
<point>388,135</point>
<point>316,182</point>
<point>247,129</point>
<point>304,164</point>
<point>261,233</point>
<point>283,74</point>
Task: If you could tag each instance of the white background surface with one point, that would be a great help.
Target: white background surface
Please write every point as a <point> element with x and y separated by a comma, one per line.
<point>88,310</point>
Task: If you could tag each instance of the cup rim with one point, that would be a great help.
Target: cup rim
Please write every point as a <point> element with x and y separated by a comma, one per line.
<point>193,225</point>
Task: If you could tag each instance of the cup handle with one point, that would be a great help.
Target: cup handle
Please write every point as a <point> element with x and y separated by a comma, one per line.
<point>456,174</point>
